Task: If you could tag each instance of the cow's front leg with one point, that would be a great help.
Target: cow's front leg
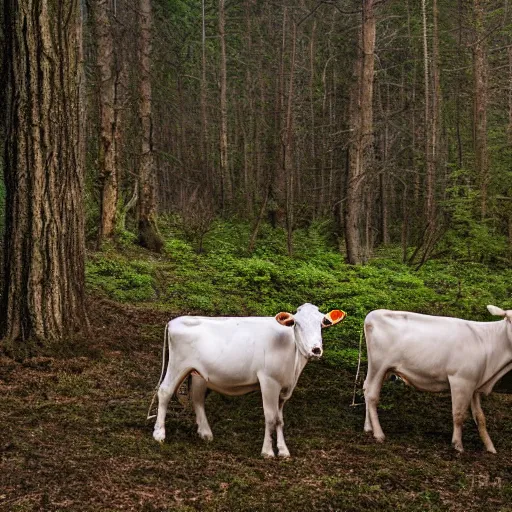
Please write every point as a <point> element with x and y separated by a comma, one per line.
<point>461,397</point>
<point>198,394</point>
<point>282,449</point>
<point>270,390</point>
<point>479,417</point>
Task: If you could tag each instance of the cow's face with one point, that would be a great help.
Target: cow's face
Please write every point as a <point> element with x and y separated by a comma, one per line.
<point>307,324</point>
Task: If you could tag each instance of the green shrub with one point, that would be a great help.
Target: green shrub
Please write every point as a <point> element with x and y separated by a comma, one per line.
<point>226,281</point>
<point>125,281</point>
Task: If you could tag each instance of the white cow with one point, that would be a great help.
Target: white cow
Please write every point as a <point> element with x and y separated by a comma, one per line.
<point>434,353</point>
<point>236,355</point>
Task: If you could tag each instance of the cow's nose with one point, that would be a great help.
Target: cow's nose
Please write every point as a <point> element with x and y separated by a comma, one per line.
<point>317,351</point>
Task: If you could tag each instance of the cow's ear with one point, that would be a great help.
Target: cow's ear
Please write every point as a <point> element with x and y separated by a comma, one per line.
<point>285,319</point>
<point>496,311</point>
<point>333,317</point>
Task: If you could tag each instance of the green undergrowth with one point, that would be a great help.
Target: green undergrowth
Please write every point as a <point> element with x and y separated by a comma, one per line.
<point>226,280</point>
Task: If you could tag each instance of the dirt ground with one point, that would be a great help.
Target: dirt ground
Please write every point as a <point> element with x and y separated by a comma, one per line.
<point>74,436</point>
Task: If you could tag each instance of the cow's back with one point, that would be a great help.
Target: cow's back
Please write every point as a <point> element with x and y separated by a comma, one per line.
<point>397,330</point>
<point>426,349</point>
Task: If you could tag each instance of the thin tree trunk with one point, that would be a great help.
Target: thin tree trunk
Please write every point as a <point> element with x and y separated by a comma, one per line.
<point>43,291</point>
<point>429,164</point>
<point>509,133</point>
<point>460,79</point>
<point>480,105</point>
<point>509,128</point>
<point>257,225</point>
<point>317,179</point>
<point>288,146</point>
<point>436,117</point>
<point>247,127</point>
<point>362,136</point>
<point>278,190</point>
<point>226,191</point>
<point>149,236</point>
<point>383,181</point>
<point>108,178</point>
<point>204,118</point>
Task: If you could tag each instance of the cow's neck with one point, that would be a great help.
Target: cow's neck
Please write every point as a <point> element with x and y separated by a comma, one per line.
<point>300,363</point>
<point>499,355</point>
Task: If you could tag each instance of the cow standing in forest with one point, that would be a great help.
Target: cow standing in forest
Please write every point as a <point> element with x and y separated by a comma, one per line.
<point>434,353</point>
<point>236,355</point>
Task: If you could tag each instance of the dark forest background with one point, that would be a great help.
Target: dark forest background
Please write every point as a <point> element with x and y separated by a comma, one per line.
<point>380,124</point>
<point>392,120</point>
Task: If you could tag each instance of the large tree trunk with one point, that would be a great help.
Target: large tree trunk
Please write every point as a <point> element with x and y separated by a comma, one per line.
<point>43,293</point>
<point>108,178</point>
<point>149,236</point>
<point>360,153</point>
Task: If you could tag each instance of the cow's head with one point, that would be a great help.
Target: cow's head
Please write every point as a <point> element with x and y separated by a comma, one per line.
<point>507,314</point>
<point>307,324</point>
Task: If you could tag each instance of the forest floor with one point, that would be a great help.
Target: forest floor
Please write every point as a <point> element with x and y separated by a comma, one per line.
<point>74,436</point>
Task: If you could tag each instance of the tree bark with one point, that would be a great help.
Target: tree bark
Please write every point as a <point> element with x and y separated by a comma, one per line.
<point>149,236</point>
<point>43,291</point>
<point>436,119</point>
<point>108,178</point>
<point>429,162</point>
<point>361,120</point>
<point>509,139</point>
<point>480,105</point>
<point>226,192</point>
<point>288,145</point>
<point>204,117</point>
<point>277,198</point>
<point>509,127</point>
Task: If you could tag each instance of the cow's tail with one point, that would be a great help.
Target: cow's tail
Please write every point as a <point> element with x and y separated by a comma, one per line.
<point>358,367</point>
<point>166,346</point>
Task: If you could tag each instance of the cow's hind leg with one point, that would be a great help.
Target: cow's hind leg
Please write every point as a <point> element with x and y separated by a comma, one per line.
<point>372,387</point>
<point>270,390</point>
<point>367,422</point>
<point>461,397</point>
<point>198,395</point>
<point>478,416</point>
<point>168,387</point>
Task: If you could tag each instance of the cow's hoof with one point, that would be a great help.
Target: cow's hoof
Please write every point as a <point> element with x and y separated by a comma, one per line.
<point>284,454</point>
<point>368,430</point>
<point>491,449</point>
<point>206,436</point>
<point>268,455</point>
<point>380,439</point>
<point>159,435</point>
<point>458,447</point>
